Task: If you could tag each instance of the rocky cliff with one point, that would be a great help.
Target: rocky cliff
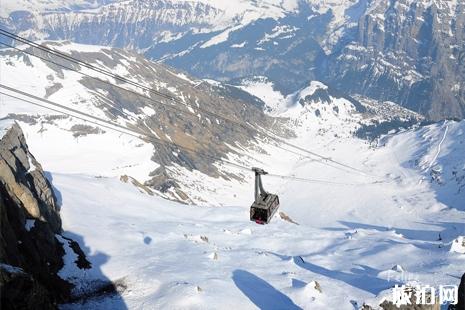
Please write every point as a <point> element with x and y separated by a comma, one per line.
<point>30,254</point>
<point>409,52</point>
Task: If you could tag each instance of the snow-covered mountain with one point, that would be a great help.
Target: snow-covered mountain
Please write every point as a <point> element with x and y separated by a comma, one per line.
<point>409,52</point>
<point>185,121</point>
<point>336,243</point>
<point>350,246</point>
<point>405,51</point>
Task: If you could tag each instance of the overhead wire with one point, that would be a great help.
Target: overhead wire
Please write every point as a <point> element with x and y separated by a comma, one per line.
<point>128,81</point>
<point>319,181</point>
<point>97,121</point>
<point>110,84</point>
<point>111,75</point>
<point>143,135</point>
<point>93,77</point>
<point>105,82</point>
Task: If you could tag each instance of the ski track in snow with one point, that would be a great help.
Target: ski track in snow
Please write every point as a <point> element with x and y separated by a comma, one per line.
<point>438,152</point>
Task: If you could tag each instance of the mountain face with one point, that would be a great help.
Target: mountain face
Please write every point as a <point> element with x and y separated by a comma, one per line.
<point>203,137</point>
<point>405,51</point>
<point>29,222</point>
<point>409,52</point>
<point>401,193</point>
<point>209,39</point>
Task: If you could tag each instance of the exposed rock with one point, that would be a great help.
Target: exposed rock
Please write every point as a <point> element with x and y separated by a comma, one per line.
<point>84,130</point>
<point>23,178</point>
<point>20,290</point>
<point>285,217</point>
<point>142,188</point>
<point>30,255</point>
<point>318,287</point>
<point>409,52</point>
<point>461,302</point>
<point>161,180</point>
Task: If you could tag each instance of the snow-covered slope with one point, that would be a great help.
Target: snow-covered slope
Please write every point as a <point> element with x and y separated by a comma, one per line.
<point>436,152</point>
<point>350,245</point>
<point>170,172</point>
<point>317,109</point>
<point>179,31</point>
<point>42,6</point>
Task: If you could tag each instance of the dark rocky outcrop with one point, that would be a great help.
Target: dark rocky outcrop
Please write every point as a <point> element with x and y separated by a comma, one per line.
<point>30,254</point>
<point>461,298</point>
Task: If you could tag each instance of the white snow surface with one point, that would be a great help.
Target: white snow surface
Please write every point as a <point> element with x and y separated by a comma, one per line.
<point>263,88</point>
<point>356,242</point>
<point>458,245</point>
<point>8,6</point>
<point>348,239</point>
<point>5,125</point>
<point>10,268</point>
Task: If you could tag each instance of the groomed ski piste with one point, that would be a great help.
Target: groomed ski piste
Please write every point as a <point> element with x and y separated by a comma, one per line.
<point>338,244</point>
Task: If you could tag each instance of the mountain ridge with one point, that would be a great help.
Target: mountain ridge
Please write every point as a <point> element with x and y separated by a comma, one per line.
<point>357,46</point>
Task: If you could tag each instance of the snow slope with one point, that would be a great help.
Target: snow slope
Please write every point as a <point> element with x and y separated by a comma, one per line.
<point>104,152</point>
<point>38,6</point>
<point>348,238</point>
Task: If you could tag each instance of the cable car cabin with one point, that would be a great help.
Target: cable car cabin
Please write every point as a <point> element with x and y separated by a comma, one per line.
<point>265,204</point>
<point>261,212</point>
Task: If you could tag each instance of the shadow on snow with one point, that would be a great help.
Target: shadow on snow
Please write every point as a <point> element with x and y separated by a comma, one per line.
<point>260,292</point>
<point>92,289</point>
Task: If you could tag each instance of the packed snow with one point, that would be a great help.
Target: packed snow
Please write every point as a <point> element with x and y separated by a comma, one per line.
<point>264,89</point>
<point>347,238</point>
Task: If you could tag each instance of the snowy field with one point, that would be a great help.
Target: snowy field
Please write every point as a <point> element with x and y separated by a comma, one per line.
<point>348,239</point>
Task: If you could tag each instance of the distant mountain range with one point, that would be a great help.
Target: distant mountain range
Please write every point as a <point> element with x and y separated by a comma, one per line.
<point>409,52</point>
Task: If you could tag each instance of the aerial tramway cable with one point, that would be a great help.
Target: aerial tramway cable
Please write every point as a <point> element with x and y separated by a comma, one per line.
<point>108,124</point>
<point>108,83</point>
<point>141,135</point>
